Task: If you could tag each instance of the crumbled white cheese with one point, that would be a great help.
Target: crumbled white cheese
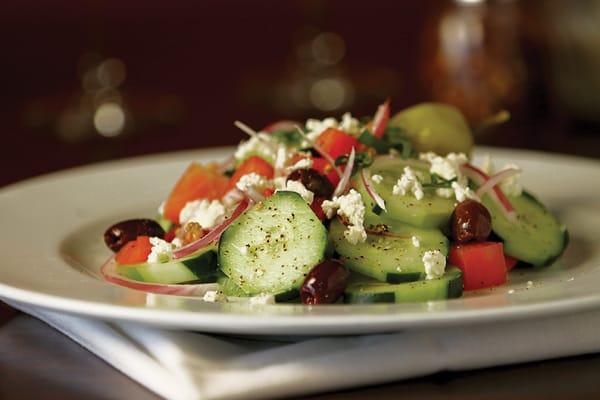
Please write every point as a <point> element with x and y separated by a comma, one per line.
<point>262,299</point>
<point>260,144</point>
<point>304,163</point>
<point>435,264</point>
<point>162,251</point>
<point>444,192</point>
<point>214,296</point>
<point>415,241</point>
<point>298,187</point>
<point>204,212</point>
<point>377,178</point>
<point>177,243</point>
<point>408,183</point>
<point>279,183</point>
<point>347,124</point>
<point>351,207</point>
<point>463,192</point>
<point>252,181</point>
<point>281,158</point>
<point>511,186</point>
<point>446,167</point>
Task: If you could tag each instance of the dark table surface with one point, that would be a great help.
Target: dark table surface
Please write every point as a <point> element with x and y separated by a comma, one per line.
<point>38,362</point>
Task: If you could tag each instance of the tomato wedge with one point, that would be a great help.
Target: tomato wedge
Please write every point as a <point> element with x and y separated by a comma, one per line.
<point>510,262</point>
<point>254,164</point>
<point>135,251</point>
<point>336,143</point>
<point>322,166</point>
<point>482,264</point>
<point>197,182</point>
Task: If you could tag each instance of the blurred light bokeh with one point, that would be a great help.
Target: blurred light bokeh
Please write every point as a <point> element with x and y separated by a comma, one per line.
<point>90,81</point>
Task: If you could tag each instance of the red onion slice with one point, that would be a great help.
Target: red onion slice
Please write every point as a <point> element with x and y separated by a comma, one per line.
<point>381,119</point>
<point>345,178</point>
<point>284,125</point>
<point>226,164</point>
<point>211,236</point>
<point>497,195</point>
<point>371,190</point>
<point>496,179</point>
<point>109,273</point>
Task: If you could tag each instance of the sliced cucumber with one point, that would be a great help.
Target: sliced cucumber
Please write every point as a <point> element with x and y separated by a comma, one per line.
<point>536,237</point>
<point>230,289</point>
<point>389,259</point>
<point>447,287</point>
<point>198,267</point>
<point>431,211</point>
<point>164,223</point>
<point>271,247</point>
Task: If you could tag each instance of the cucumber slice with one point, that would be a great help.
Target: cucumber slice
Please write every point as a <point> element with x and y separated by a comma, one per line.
<point>199,267</point>
<point>230,289</point>
<point>449,286</point>
<point>385,258</point>
<point>431,211</point>
<point>536,237</point>
<point>272,247</point>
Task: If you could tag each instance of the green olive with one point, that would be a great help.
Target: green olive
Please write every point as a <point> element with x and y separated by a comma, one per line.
<point>436,127</point>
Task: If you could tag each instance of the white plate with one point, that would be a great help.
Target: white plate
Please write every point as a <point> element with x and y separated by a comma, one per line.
<point>51,247</point>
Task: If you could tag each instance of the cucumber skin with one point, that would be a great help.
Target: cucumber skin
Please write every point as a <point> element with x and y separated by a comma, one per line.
<point>410,292</point>
<point>539,242</point>
<point>307,233</point>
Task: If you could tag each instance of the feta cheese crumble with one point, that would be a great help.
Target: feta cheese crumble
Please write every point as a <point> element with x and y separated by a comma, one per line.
<point>162,251</point>
<point>252,182</point>
<point>446,167</point>
<point>304,163</point>
<point>415,241</point>
<point>347,124</point>
<point>260,144</point>
<point>214,296</point>
<point>298,187</point>
<point>204,212</point>
<point>511,186</point>
<point>463,192</point>
<point>435,264</point>
<point>408,183</point>
<point>377,178</point>
<point>351,207</point>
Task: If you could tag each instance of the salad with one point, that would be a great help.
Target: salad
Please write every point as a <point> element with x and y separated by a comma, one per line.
<point>384,209</point>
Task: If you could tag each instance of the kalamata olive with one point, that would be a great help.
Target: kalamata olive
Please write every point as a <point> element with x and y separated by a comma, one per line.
<point>471,221</point>
<point>120,233</point>
<point>325,283</point>
<point>313,181</point>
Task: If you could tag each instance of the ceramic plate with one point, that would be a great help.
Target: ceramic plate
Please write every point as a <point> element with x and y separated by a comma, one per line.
<point>51,248</point>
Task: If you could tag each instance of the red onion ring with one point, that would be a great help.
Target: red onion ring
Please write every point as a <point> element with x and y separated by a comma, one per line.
<point>496,179</point>
<point>211,236</point>
<point>283,125</point>
<point>345,178</point>
<point>109,273</point>
<point>371,190</point>
<point>497,195</point>
<point>381,119</point>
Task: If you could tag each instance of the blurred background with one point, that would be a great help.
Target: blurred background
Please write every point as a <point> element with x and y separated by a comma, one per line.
<point>86,81</point>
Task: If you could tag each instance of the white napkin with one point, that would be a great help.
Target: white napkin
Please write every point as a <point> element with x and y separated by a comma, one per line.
<point>187,365</point>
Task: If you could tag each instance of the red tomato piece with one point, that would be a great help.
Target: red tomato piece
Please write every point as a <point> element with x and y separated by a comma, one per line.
<point>510,262</point>
<point>482,264</point>
<point>323,167</point>
<point>336,143</point>
<point>254,164</point>
<point>317,208</point>
<point>197,182</point>
<point>135,251</point>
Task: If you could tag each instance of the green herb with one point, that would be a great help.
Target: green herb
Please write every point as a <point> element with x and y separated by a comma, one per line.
<point>379,145</point>
<point>291,138</point>
<point>361,160</point>
<point>395,136</point>
<point>438,182</point>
